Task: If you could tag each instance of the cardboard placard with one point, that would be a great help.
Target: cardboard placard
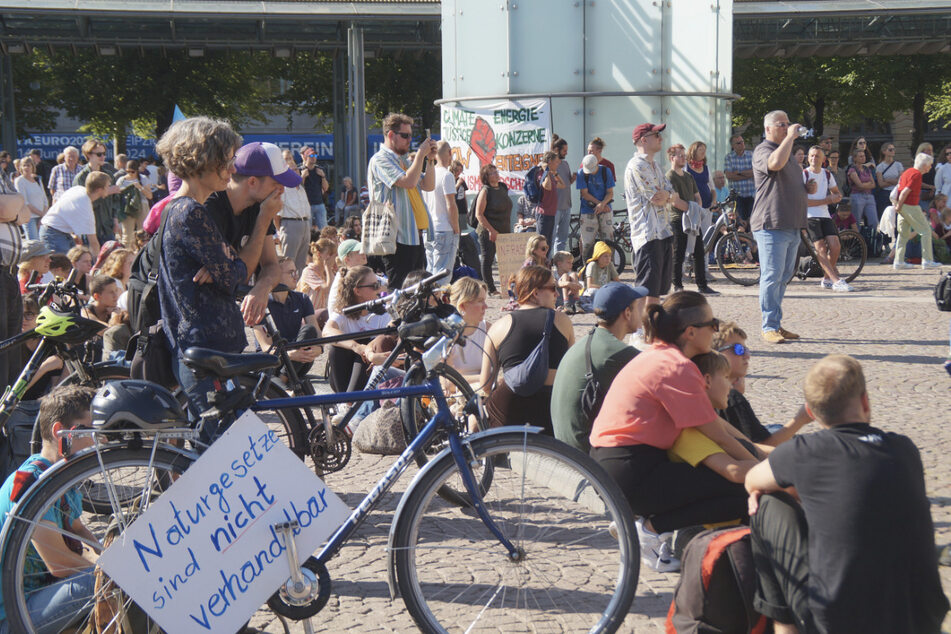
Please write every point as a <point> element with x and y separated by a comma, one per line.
<point>204,556</point>
<point>510,254</point>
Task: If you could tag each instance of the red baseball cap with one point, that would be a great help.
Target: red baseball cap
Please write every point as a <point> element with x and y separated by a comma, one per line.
<point>644,129</point>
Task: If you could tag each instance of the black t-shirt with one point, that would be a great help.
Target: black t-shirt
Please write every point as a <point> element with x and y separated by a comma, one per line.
<point>872,564</point>
<point>236,229</point>
<point>289,316</point>
<point>314,186</point>
<point>739,413</point>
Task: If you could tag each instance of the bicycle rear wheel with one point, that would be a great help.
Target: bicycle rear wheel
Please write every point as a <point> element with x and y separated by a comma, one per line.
<point>852,256</point>
<point>578,557</point>
<point>24,573</point>
<point>468,414</point>
<point>738,258</point>
<point>288,423</point>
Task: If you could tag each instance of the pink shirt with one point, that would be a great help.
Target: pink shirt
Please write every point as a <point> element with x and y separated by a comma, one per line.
<point>657,394</point>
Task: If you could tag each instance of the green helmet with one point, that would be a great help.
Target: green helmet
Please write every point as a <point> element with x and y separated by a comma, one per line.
<point>65,327</point>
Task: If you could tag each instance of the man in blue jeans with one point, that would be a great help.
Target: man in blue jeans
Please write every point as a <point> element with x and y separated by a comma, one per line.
<point>779,214</point>
<point>315,184</point>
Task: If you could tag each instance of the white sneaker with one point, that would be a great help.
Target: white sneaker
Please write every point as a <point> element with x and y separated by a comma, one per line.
<point>638,341</point>
<point>902,265</point>
<point>930,264</point>
<point>841,286</point>
<point>656,551</point>
<point>825,283</point>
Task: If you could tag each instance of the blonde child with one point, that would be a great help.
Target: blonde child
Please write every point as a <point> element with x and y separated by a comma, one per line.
<point>536,251</point>
<point>600,269</point>
<point>316,278</point>
<point>568,282</point>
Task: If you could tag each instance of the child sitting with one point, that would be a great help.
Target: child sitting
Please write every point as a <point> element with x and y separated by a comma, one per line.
<point>943,229</point>
<point>536,251</point>
<point>692,445</point>
<point>600,269</point>
<point>843,217</point>
<point>568,282</point>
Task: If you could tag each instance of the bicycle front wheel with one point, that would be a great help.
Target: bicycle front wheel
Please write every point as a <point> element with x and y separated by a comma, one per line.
<point>24,573</point>
<point>738,258</point>
<point>578,556</point>
<point>852,256</point>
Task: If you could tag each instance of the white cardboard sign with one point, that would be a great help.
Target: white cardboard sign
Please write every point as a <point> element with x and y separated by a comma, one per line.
<point>204,556</point>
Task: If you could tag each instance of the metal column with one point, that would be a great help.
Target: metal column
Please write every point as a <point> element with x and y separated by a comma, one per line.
<point>356,103</point>
<point>340,112</point>
<point>8,125</point>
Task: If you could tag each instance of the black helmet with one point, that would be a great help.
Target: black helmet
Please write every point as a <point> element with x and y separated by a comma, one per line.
<point>133,404</point>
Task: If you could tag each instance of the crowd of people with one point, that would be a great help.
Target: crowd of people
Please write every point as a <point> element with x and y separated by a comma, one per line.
<point>667,417</point>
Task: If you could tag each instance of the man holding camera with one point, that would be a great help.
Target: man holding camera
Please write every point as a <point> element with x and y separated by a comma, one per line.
<point>779,214</point>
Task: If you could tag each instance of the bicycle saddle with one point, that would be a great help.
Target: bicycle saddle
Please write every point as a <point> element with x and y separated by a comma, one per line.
<point>226,365</point>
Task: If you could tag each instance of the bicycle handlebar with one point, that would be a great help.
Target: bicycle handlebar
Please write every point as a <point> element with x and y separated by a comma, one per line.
<point>379,305</point>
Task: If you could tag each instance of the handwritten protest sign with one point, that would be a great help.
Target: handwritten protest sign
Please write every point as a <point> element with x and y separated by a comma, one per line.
<point>204,556</point>
<point>512,135</point>
<point>510,252</point>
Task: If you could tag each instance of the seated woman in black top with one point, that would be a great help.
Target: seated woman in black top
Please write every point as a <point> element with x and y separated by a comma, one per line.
<point>513,337</point>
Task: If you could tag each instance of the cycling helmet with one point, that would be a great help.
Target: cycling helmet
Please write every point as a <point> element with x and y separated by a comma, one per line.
<point>66,327</point>
<point>134,404</point>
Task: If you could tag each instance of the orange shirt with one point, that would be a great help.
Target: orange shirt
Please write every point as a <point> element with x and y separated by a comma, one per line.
<point>652,398</point>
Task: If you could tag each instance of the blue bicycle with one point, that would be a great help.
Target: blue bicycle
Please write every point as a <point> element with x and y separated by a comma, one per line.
<point>546,543</point>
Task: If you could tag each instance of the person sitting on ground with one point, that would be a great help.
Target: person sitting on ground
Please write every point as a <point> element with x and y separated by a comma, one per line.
<point>571,287</point>
<point>536,251</point>
<point>330,233</point>
<point>60,266</point>
<point>525,214</point>
<point>939,204</point>
<point>468,296</point>
<point>731,342</point>
<point>843,217</point>
<point>349,361</point>
<point>353,228</point>
<point>652,399</point>
<point>81,257</point>
<point>944,229</point>
<point>600,269</point>
<point>618,308</point>
<point>34,263</point>
<point>105,299</point>
<point>852,549</point>
<point>349,255</point>
<point>115,339</point>
<point>63,579</point>
<point>118,266</point>
<point>293,314</point>
<point>513,338</point>
<point>691,445</point>
<point>319,274</point>
<point>720,186</point>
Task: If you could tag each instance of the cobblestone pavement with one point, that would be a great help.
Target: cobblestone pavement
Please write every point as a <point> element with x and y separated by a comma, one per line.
<point>890,324</point>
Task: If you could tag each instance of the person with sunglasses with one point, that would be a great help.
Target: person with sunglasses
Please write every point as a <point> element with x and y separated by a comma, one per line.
<point>731,342</point>
<point>653,398</point>
<point>105,209</point>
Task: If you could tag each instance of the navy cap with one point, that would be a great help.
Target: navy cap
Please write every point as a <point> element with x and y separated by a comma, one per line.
<point>614,297</point>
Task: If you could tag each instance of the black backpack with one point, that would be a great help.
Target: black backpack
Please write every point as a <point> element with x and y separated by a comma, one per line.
<point>716,587</point>
<point>942,293</point>
<point>471,216</point>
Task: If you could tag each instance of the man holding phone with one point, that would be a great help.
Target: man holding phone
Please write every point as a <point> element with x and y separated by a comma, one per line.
<point>392,178</point>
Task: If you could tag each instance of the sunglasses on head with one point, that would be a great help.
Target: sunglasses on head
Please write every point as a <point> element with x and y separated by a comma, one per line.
<point>738,349</point>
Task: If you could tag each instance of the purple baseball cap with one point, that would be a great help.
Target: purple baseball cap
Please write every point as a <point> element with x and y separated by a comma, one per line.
<point>265,159</point>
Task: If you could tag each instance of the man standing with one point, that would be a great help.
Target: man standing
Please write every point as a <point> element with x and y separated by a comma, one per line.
<point>42,169</point>
<point>826,144</point>
<point>105,209</point>
<point>738,168</point>
<point>63,175</point>
<point>618,308</point>
<point>244,213</point>
<point>647,192</point>
<point>315,184</point>
<point>822,230</point>
<point>779,214</point>
<point>563,215</point>
<point>855,551</point>
<point>391,178</point>
<point>294,220</point>
<point>441,248</point>
<point>596,220</point>
<point>13,213</point>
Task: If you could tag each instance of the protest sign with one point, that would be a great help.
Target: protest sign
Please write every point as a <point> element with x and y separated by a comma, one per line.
<point>512,135</point>
<point>510,253</point>
<point>204,556</point>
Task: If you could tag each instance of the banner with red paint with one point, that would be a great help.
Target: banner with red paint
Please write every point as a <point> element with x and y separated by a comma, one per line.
<point>512,135</point>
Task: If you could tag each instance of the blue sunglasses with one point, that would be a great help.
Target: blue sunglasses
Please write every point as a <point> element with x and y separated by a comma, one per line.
<point>738,349</point>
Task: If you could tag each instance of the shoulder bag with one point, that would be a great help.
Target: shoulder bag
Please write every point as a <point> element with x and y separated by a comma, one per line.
<point>526,378</point>
<point>379,225</point>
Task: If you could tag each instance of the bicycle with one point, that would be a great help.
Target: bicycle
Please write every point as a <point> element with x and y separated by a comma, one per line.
<point>852,256</point>
<point>620,242</point>
<point>548,505</point>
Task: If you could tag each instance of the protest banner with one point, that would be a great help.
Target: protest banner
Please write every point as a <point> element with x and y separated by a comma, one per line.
<point>512,135</point>
<point>510,253</point>
<point>205,556</point>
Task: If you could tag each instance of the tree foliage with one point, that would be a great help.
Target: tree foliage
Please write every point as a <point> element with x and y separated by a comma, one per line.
<point>408,83</point>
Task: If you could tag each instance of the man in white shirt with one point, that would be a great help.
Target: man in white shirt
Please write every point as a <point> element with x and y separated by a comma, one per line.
<point>822,230</point>
<point>441,249</point>
<point>72,215</point>
<point>293,221</point>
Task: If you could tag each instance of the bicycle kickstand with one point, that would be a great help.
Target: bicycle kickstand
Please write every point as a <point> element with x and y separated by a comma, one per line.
<point>299,587</point>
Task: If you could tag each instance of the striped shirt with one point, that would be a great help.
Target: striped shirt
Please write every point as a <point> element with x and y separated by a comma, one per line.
<point>642,179</point>
<point>61,179</point>
<point>734,163</point>
<point>385,168</point>
<point>10,239</point>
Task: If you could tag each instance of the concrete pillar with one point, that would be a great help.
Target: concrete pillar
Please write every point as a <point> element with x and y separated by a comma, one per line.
<point>8,126</point>
<point>356,100</point>
<point>606,66</point>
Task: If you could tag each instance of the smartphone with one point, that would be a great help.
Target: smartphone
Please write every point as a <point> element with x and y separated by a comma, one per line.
<point>429,133</point>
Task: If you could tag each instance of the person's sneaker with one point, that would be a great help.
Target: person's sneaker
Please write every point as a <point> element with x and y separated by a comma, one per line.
<point>902,265</point>
<point>773,336</point>
<point>825,283</point>
<point>841,286</point>
<point>656,552</point>
<point>787,334</point>
<point>638,341</point>
<point>709,292</point>
<point>930,264</point>
<point>947,366</point>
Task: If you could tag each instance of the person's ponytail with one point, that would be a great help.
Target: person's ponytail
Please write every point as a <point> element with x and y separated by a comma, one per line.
<point>659,325</point>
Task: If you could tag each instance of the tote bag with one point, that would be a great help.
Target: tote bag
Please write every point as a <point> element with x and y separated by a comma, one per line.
<point>379,226</point>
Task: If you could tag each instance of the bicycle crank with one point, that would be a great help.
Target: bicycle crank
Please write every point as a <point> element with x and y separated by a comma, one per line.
<point>332,456</point>
<point>302,600</point>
